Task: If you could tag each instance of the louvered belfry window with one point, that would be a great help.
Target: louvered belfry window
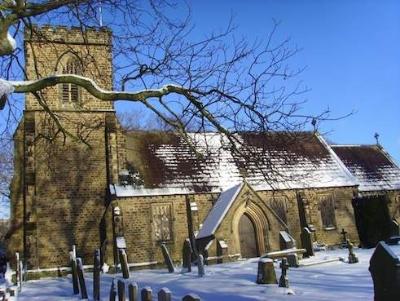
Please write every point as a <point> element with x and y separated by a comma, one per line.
<point>70,93</point>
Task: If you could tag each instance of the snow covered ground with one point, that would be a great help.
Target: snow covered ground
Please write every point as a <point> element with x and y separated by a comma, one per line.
<point>236,281</point>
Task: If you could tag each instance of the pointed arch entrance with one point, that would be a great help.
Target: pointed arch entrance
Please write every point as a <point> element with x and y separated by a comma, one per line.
<point>247,237</point>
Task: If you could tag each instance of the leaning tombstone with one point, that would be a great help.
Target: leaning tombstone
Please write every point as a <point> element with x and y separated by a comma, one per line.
<point>74,272</point>
<point>121,290</point>
<point>384,267</point>
<point>286,241</point>
<point>187,255</point>
<point>191,297</point>
<point>132,291</point>
<point>81,278</point>
<point>167,258</point>
<point>146,294</point>
<point>96,275</point>
<point>222,251</point>
<point>352,256</point>
<point>293,260</point>
<point>164,294</point>
<point>200,265</point>
<point>283,280</point>
<point>124,263</point>
<point>266,271</point>
<point>307,242</point>
<point>113,291</point>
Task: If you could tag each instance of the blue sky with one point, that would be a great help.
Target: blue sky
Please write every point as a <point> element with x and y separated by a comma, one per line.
<point>352,52</point>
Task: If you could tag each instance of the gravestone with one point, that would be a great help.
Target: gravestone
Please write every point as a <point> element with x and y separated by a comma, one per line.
<point>82,284</point>
<point>293,260</point>
<point>266,272</point>
<point>96,275</point>
<point>283,280</point>
<point>121,290</point>
<point>124,263</point>
<point>200,265</point>
<point>352,256</point>
<point>146,294</point>
<point>307,242</point>
<point>167,258</point>
<point>74,272</point>
<point>113,291</point>
<point>164,294</point>
<point>384,267</point>
<point>132,291</point>
<point>286,241</point>
<point>187,255</point>
<point>222,251</point>
<point>191,297</point>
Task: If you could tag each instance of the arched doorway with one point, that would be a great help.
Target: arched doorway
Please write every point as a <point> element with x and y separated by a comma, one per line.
<point>247,236</point>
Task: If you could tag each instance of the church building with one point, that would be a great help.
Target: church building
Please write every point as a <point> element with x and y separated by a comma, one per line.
<point>91,184</point>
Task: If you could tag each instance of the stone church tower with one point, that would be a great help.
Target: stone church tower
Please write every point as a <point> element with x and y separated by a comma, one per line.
<point>64,160</point>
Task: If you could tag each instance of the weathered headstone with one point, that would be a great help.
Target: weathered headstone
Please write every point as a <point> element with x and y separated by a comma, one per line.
<point>222,250</point>
<point>96,275</point>
<point>124,263</point>
<point>146,294</point>
<point>113,291</point>
<point>164,294</point>
<point>307,242</point>
<point>200,265</point>
<point>266,272</point>
<point>293,260</point>
<point>121,290</point>
<point>283,280</point>
<point>191,297</point>
<point>187,255</point>
<point>132,291</point>
<point>384,266</point>
<point>352,256</point>
<point>167,258</point>
<point>286,241</point>
<point>74,272</point>
<point>82,284</point>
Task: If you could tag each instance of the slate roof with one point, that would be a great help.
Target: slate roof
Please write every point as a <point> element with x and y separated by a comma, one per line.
<point>267,161</point>
<point>373,168</point>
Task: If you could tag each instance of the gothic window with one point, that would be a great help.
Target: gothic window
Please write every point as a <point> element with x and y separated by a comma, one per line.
<point>162,222</point>
<point>69,64</point>
<point>278,204</point>
<point>327,205</point>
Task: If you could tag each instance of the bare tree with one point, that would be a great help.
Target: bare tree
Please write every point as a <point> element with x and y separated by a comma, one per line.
<point>218,82</point>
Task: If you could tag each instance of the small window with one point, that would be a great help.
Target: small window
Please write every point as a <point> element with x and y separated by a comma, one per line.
<point>162,222</point>
<point>327,205</point>
<point>69,63</point>
<point>70,93</point>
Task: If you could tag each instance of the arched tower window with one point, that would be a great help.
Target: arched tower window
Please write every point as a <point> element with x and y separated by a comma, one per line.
<point>69,63</point>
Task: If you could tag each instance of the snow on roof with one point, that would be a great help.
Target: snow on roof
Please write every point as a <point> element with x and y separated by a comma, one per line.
<point>278,160</point>
<point>373,168</point>
<point>219,210</point>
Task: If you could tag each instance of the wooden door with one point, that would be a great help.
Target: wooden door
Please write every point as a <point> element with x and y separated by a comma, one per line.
<point>247,236</point>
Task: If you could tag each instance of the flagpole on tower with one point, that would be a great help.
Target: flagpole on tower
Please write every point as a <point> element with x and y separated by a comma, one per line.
<point>100,14</point>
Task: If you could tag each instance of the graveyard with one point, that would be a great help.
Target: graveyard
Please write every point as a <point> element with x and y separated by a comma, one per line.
<point>325,276</point>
